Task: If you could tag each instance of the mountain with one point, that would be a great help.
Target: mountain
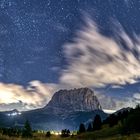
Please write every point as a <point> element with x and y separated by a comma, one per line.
<point>67,101</point>
<point>66,109</point>
<point>123,110</point>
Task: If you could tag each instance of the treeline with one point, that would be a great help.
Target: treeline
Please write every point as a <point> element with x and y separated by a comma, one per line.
<point>127,119</point>
<point>95,125</point>
<point>27,131</point>
<point>17,132</point>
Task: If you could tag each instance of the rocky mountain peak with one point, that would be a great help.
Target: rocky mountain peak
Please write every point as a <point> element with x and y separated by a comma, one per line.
<point>82,99</point>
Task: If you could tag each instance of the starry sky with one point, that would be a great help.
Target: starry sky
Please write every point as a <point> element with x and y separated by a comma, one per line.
<point>46,45</point>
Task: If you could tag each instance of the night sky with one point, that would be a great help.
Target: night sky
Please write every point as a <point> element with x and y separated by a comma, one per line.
<point>46,45</point>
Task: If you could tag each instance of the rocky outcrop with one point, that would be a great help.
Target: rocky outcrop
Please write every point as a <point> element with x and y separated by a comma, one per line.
<point>66,101</point>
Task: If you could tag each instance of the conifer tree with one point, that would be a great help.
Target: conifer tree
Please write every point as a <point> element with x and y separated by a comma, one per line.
<point>97,123</point>
<point>89,129</point>
<point>82,128</point>
<point>27,131</point>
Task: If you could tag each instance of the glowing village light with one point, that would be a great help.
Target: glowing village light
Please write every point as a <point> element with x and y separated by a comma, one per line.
<point>14,114</point>
<point>56,133</point>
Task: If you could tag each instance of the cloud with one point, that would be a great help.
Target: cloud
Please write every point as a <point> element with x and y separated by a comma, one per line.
<point>112,103</point>
<point>35,95</point>
<point>11,106</point>
<point>117,86</point>
<point>94,60</point>
<point>136,97</point>
<point>98,60</point>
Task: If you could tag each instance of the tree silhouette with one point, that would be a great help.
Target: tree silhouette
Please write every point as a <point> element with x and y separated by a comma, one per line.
<point>82,128</point>
<point>89,129</point>
<point>65,133</point>
<point>11,132</point>
<point>113,120</point>
<point>48,134</point>
<point>97,123</point>
<point>27,131</point>
<point>132,122</point>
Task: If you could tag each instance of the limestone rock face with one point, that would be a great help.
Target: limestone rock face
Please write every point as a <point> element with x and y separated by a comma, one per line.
<point>65,101</point>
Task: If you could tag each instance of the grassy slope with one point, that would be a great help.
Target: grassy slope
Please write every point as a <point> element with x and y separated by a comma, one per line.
<point>107,134</point>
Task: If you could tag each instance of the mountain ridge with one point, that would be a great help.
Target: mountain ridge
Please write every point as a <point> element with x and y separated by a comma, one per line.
<point>67,107</point>
<point>82,99</point>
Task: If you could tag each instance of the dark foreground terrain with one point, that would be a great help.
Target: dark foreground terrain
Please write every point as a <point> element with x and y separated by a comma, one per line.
<point>104,134</point>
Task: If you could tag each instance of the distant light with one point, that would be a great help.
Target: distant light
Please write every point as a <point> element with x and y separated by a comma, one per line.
<point>55,133</point>
<point>14,114</point>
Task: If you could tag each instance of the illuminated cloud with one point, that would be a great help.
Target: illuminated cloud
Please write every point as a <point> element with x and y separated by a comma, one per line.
<point>35,95</point>
<point>97,60</point>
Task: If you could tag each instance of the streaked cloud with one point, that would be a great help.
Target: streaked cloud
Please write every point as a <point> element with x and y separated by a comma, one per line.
<point>94,60</point>
<point>98,60</point>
